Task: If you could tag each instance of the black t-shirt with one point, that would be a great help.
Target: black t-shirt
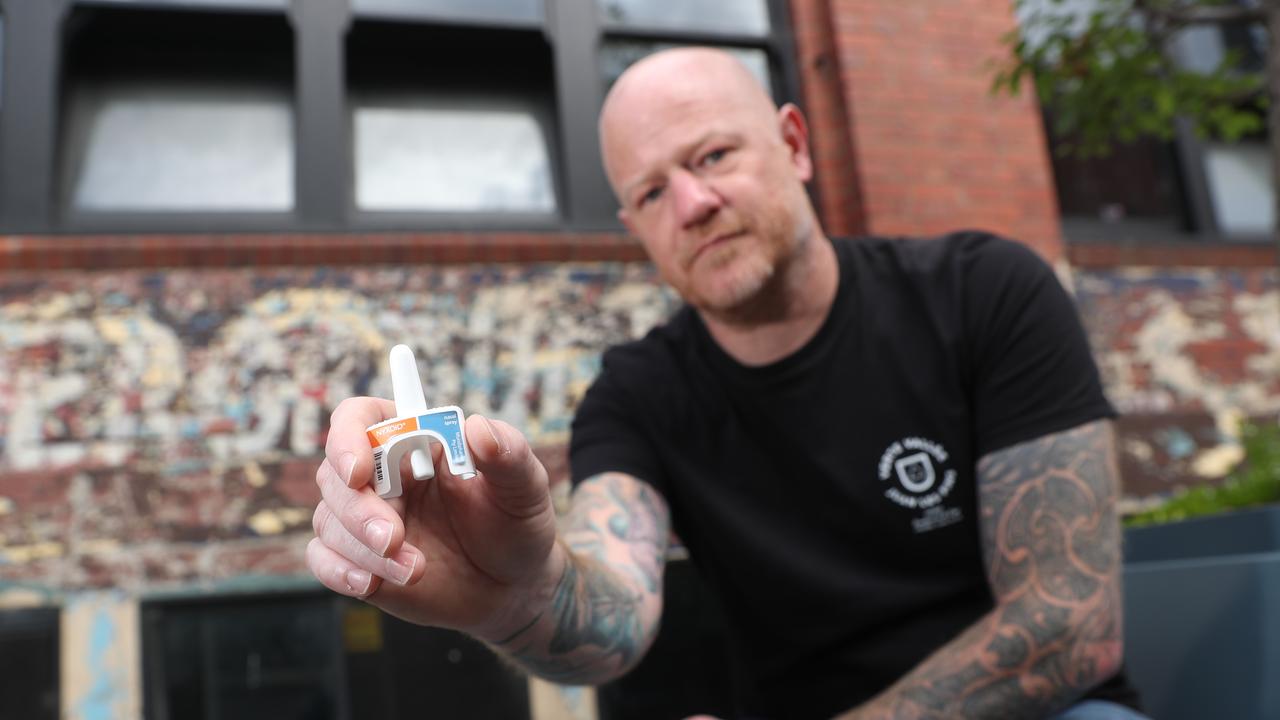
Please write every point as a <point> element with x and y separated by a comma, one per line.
<point>828,498</point>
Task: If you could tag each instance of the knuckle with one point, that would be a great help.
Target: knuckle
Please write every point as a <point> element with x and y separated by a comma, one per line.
<point>320,518</point>
<point>341,409</point>
<point>350,512</point>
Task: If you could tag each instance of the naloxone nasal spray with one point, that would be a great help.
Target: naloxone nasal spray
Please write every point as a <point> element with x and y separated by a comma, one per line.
<point>413,430</point>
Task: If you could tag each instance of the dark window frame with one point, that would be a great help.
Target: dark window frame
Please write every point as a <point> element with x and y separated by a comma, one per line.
<point>153,614</point>
<point>1190,154</point>
<point>383,680</point>
<point>38,624</point>
<point>544,113</point>
<point>72,143</point>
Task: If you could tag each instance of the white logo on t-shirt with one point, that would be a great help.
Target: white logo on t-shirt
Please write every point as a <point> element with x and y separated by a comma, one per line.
<point>914,463</point>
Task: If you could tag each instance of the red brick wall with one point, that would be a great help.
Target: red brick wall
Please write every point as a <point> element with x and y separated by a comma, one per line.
<point>932,149</point>
<point>119,252</point>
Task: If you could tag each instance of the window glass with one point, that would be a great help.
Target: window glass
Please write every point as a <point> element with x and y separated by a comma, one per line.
<point>172,148</point>
<point>1133,192</point>
<point>164,116</point>
<point>1240,187</point>
<point>748,17</point>
<point>229,4</point>
<point>451,119</point>
<point>494,10</point>
<point>434,157</point>
<point>617,55</point>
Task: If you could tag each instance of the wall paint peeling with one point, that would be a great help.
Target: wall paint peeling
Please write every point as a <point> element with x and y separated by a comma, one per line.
<point>100,657</point>
<point>1186,354</point>
<point>161,430</point>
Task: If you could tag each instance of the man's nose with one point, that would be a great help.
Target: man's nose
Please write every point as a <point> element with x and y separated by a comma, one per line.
<point>695,200</point>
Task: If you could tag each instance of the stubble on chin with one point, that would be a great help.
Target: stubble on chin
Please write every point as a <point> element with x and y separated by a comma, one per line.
<point>734,285</point>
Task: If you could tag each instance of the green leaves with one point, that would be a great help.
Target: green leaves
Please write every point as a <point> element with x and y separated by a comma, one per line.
<point>1255,482</point>
<point>1106,77</point>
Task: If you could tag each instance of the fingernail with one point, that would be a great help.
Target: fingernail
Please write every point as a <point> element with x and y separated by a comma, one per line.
<point>358,581</point>
<point>503,448</point>
<point>345,463</point>
<point>377,534</point>
<point>400,570</point>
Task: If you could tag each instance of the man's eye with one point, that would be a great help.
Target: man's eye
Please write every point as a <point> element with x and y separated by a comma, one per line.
<point>714,157</point>
<point>651,195</point>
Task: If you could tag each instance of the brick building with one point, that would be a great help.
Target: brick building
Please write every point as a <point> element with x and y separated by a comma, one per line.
<point>217,215</point>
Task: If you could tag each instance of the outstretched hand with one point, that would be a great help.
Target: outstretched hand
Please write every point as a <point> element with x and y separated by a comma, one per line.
<point>464,554</point>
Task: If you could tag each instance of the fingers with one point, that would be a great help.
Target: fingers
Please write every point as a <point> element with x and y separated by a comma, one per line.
<point>367,518</point>
<point>347,449</point>
<point>403,568</point>
<point>516,478</point>
<point>337,573</point>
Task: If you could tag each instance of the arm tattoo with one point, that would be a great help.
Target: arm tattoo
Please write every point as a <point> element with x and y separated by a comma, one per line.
<point>605,608</point>
<point>1051,544</point>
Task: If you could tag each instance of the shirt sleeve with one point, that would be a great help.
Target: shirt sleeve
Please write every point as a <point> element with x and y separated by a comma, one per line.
<point>607,432</point>
<point>1032,369</point>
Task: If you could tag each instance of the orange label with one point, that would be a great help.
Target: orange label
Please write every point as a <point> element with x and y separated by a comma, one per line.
<point>380,434</point>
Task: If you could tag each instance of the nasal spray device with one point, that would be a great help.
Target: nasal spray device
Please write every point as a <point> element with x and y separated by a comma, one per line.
<point>413,430</point>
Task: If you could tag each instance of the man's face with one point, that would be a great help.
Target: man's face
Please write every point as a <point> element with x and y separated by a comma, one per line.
<point>708,183</point>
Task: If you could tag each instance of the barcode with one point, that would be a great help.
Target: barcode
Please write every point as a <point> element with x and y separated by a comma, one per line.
<point>379,478</point>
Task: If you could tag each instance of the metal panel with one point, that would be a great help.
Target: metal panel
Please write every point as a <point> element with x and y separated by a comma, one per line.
<point>589,203</point>
<point>323,148</point>
<point>28,123</point>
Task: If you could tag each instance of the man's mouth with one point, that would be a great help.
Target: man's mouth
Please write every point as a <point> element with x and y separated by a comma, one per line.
<point>716,240</point>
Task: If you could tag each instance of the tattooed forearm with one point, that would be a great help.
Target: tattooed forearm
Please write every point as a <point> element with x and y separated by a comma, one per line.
<point>1051,543</point>
<point>604,611</point>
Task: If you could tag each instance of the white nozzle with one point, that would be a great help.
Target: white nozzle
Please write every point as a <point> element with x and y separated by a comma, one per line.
<point>406,386</point>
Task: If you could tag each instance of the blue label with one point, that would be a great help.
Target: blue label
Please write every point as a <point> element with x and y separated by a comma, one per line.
<point>446,423</point>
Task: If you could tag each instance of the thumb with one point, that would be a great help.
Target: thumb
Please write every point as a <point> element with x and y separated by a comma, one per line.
<point>516,478</point>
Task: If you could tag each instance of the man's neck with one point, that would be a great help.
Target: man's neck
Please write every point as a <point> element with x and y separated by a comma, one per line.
<point>799,301</point>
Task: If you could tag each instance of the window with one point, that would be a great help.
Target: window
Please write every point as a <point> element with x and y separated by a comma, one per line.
<point>316,656</point>
<point>1237,175</point>
<point>505,11</point>
<point>29,663</point>
<point>278,115</point>
<point>1163,190</point>
<point>1133,193</point>
<point>433,134</point>
<point>444,156</point>
<point>265,658</point>
<point>617,55</point>
<point>225,4</point>
<point>636,28</point>
<point>162,119</point>
<point>746,17</point>
<point>1240,187</point>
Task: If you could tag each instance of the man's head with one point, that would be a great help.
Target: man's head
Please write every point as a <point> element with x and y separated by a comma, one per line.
<point>710,174</point>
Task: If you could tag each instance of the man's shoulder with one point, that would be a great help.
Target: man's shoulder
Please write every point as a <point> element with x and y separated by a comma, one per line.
<point>656,352</point>
<point>930,251</point>
<point>966,261</point>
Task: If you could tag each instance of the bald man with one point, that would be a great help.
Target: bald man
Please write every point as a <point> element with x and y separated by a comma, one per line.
<point>891,460</point>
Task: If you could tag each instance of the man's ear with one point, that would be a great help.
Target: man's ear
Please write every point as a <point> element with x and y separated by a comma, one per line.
<point>795,134</point>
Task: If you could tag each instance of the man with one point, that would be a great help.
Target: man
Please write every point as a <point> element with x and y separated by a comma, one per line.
<point>891,460</point>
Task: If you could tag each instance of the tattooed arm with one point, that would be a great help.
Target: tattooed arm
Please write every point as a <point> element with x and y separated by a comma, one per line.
<point>603,613</point>
<point>1052,548</point>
